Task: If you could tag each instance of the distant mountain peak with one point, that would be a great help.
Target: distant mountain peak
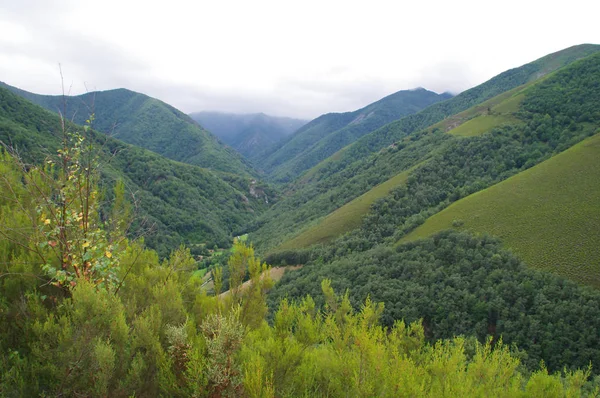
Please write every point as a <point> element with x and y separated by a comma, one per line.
<point>247,133</point>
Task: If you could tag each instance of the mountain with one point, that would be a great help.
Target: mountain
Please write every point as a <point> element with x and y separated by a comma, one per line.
<point>520,172</point>
<point>392,132</point>
<point>176,202</point>
<point>146,122</point>
<point>248,134</point>
<point>328,133</point>
<point>406,143</point>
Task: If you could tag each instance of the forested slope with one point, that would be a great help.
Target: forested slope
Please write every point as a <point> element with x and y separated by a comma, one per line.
<point>328,133</point>
<point>461,284</point>
<point>548,215</point>
<point>146,122</point>
<point>464,285</point>
<point>176,202</point>
<point>454,164</point>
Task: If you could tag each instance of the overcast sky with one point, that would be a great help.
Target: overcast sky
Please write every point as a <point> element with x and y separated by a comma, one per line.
<point>287,58</point>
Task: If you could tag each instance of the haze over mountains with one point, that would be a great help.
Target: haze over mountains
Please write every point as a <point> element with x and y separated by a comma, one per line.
<point>248,134</point>
<point>472,215</point>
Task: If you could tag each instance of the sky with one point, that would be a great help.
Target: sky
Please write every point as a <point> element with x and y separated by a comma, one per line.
<point>284,58</point>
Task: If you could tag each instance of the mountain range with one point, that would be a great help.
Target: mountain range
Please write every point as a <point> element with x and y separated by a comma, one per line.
<point>325,135</point>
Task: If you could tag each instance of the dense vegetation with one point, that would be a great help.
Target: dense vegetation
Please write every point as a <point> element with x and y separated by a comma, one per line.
<point>325,135</point>
<point>451,166</point>
<point>148,123</point>
<point>463,166</point>
<point>463,285</point>
<point>175,203</point>
<point>85,312</point>
<point>249,134</point>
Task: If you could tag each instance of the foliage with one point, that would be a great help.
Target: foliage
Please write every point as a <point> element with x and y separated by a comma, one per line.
<point>173,203</point>
<point>158,333</point>
<point>548,215</point>
<point>459,284</point>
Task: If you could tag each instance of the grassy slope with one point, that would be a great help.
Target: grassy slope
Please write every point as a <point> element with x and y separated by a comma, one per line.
<point>346,218</point>
<point>549,215</point>
<point>493,113</point>
<point>148,123</point>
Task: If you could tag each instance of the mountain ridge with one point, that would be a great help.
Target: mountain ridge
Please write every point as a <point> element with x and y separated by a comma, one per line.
<point>342,178</point>
<point>146,122</point>
<point>330,132</point>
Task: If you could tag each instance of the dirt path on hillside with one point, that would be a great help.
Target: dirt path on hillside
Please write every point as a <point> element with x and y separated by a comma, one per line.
<point>276,273</point>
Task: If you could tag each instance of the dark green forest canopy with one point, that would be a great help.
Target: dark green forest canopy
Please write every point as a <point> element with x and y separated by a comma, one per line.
<point>464,285</point>
<point>176,203</point>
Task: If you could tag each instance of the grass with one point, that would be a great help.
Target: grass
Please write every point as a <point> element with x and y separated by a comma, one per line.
<point>478,119</point>
<point>313,170</point>
<point>346,218</point>
<point>548,215</point>
<point>201,272</point>
<point>481,124</point>
<point>510,105</point>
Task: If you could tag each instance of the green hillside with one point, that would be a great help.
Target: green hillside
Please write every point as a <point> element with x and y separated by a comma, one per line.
<point>249,134</point>
<point>344,219</point>
<point>504,82</point>
<point>328,133</point>
<point>532,121</point>
<point>548,215</point>
<point>176,202</point>
<point>146,122</point>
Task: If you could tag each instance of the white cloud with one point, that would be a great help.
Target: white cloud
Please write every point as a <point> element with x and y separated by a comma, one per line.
<point>299,58</point>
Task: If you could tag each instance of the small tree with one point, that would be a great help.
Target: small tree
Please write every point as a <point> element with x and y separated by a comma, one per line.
<point>70,240</point>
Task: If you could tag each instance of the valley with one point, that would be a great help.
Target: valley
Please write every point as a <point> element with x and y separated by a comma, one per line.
<point>423,245</point>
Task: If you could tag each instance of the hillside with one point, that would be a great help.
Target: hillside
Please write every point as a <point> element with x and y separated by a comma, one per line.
<point>176,202</point>
<point>328,133</point>
<point>249,134</point>
<point>548,215</point>
<point>529,176</point>
<point>393,132</point>
<point>146,122</point>
<point>335,182</point>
